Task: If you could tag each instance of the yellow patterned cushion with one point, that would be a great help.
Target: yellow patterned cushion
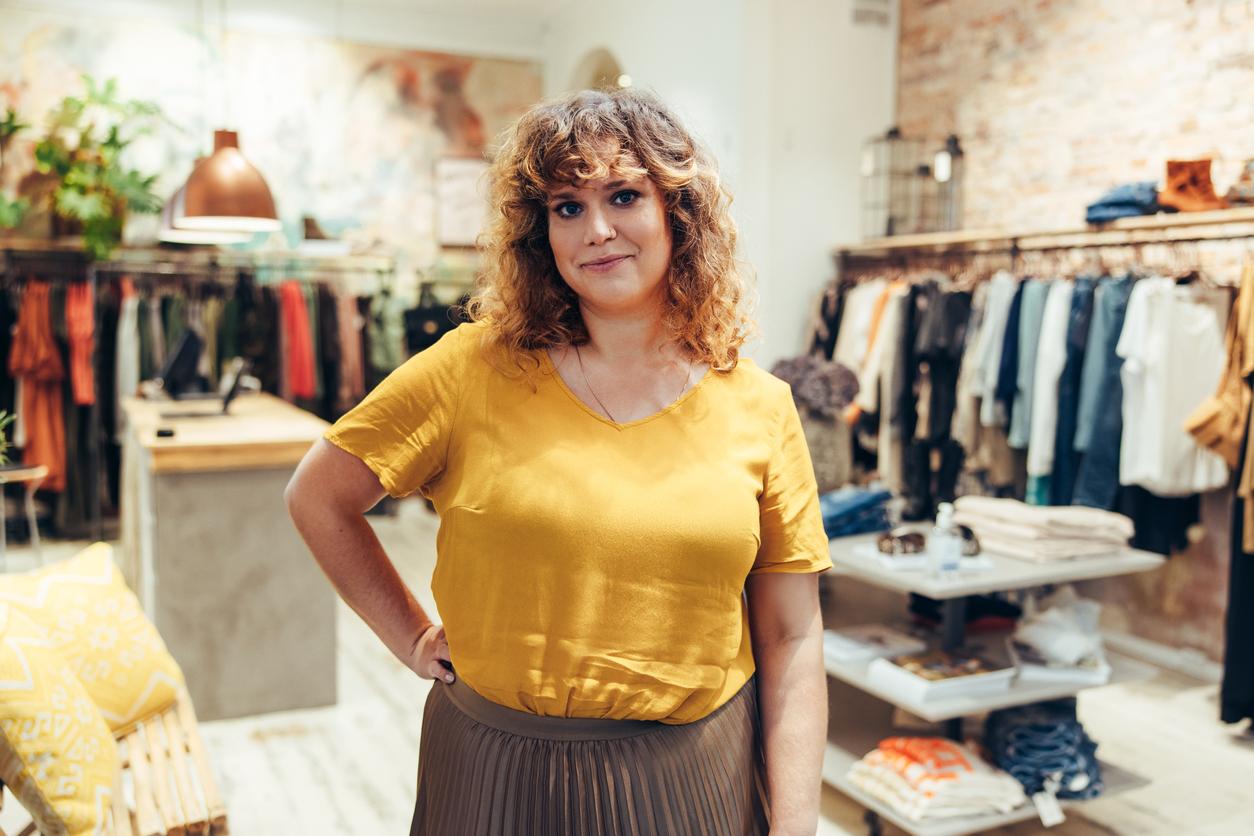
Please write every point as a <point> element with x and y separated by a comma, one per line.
<point>97,624</point>
<point>56,753</point>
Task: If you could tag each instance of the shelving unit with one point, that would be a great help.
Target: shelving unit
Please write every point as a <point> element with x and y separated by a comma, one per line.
<point>847,745</point>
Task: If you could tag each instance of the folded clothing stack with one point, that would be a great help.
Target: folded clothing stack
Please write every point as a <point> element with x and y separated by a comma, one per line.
<point>932,778</point>
<point>1036,742</point>
<point>1125,201</point>
<point>853,510</point>
<point>1042,533</point>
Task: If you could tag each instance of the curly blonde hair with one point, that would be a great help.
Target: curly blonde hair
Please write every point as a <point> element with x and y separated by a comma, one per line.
<point>523,299</point>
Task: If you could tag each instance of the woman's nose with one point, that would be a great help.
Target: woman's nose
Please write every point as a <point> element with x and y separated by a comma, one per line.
<point>599,229</point>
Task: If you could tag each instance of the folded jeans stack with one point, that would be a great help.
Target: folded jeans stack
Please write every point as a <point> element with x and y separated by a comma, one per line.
<point>853,510</point>
<point>931,778</point>
<point>1125,201</point>
<point>1037,742</point>
<point>1043,534</point>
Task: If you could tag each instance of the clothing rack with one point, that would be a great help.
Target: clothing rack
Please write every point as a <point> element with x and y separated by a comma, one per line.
<point>61,264</point>
<point>65,260</point>
<point>1184,227</point>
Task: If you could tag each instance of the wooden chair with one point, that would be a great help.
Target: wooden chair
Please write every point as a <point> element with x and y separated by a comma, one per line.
<point>173,791</point>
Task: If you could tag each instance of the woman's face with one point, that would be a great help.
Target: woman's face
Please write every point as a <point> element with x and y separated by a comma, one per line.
<point>611,241</point>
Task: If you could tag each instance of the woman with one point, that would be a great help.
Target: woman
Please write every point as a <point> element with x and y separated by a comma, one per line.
<point>629,519</point>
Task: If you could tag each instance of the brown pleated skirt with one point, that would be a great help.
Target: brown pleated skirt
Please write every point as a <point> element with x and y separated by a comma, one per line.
<point>488,770</point>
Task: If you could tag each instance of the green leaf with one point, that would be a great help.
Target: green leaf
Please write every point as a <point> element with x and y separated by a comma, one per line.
<point>10,125</point>
<point>85,207</point>
<point>12,211</point>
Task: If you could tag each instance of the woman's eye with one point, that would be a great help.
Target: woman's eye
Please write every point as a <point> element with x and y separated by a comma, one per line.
<point>625,197</point>
<point>566,210</point>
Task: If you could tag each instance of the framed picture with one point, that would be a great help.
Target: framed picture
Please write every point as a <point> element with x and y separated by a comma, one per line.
<point>461,200</point>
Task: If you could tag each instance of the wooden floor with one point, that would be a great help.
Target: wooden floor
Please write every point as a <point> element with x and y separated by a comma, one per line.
<point>350,769</point>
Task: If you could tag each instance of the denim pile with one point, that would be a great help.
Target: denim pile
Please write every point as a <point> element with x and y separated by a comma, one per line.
<point>1036,742</point>
<point>853,510</point>
<point>1125,201</point>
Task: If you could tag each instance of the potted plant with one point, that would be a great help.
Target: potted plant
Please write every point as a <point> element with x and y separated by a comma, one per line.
<point>12,210</point>
<point>81,156</point>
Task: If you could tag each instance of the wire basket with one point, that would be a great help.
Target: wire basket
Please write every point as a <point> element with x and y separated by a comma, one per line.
<point>910,187</point>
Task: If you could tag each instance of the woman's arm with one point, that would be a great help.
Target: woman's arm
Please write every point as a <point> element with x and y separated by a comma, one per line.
<point>787,632</point>
<point>327,498</point>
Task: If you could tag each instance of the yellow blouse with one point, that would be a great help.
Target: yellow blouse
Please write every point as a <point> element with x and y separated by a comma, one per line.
<point>587,568</point>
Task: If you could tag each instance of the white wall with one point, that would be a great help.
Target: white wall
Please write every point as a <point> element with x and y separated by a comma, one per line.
<point>501,32</point>
<point>784,92</point>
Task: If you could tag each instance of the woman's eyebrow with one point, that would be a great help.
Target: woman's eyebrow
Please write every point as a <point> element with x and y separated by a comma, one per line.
<point>569,195</point>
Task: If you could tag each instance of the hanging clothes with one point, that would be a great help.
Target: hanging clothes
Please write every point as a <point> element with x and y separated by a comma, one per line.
<point>1001,295</point>
<point>298,349</point>
<point>330,356</point>
<point>311,303</point>
<point>80,320</point>
<point>127,340</point>
<point>1099,421</point>
<point>1236,694</point>
<point>385,326</point>
<point>1051,356</point>
<point>1066,462</point>
<point>8,383</point>
<point>1031,312</point>
<point>36,361</point>
<point>156,337</point>
<point>352,369</point>
<point>1173,360</point>
<point>1008,366</point>
<point>856,322</point>
<point>1219,422</point>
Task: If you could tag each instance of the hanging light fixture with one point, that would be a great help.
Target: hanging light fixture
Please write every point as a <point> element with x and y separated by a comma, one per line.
<point>170,234</point>
<point>225,192</point>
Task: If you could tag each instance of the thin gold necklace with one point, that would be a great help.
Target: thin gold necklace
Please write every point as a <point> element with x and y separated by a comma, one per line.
<point>600,403</point>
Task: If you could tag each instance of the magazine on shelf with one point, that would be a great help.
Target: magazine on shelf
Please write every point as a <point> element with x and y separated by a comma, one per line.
<point>939,675</point>
<point>868,641</point>
<point>1033,667</point>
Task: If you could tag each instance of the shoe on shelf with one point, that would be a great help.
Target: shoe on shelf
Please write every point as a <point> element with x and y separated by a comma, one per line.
<point>1189,187</point>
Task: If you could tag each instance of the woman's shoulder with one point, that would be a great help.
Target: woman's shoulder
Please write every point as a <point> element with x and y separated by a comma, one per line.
<point>754,387</point>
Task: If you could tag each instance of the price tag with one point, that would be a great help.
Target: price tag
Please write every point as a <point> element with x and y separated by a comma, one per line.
<point>1047,806</point>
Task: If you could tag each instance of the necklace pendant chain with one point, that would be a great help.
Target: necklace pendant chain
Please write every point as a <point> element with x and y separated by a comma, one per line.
<point>584,374</point>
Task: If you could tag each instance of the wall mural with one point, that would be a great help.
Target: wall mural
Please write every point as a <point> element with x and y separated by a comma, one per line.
<point>348,133</point>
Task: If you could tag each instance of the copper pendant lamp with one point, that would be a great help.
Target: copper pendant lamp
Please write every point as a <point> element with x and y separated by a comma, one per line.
<point>171,234</point>
<point>225,192</point>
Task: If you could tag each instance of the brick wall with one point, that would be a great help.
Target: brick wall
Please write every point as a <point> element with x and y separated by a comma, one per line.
<point>1057,100</point>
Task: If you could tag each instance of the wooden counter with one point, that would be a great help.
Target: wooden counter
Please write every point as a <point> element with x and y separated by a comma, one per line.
<point>260,432</point>
<point>215,560</point>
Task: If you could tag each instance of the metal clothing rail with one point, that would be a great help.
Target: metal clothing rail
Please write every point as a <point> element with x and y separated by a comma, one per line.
<point>1226,224</point>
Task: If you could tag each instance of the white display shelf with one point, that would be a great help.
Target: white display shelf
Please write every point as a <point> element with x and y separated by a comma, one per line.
<point>1008,573</point>
<point>838,758</point>
<point>1123,669</point>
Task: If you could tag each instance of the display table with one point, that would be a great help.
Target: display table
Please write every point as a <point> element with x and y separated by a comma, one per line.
<point>215,560</point>
<point>849,741</point>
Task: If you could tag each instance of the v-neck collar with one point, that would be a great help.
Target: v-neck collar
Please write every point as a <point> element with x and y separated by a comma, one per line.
<point>547,362</point>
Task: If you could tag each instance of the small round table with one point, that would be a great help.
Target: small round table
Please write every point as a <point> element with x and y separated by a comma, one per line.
<point>33,477</point>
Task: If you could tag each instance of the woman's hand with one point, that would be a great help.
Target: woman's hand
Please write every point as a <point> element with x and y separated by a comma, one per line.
<point>429,651</point>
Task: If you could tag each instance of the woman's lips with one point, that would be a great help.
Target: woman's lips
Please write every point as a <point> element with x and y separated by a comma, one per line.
<point>606,264</point>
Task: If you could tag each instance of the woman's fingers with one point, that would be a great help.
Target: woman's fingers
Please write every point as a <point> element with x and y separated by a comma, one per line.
<point>438,671</point>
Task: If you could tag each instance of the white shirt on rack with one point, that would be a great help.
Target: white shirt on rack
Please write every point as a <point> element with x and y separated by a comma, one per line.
<point>1051,357</point>
<point>1173,351</point>
<point>1000,296</point>
<point>853,338</point>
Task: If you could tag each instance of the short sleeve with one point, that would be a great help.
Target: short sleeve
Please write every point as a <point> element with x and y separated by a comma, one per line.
<point>401,430</point>
<point>790,522</point>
